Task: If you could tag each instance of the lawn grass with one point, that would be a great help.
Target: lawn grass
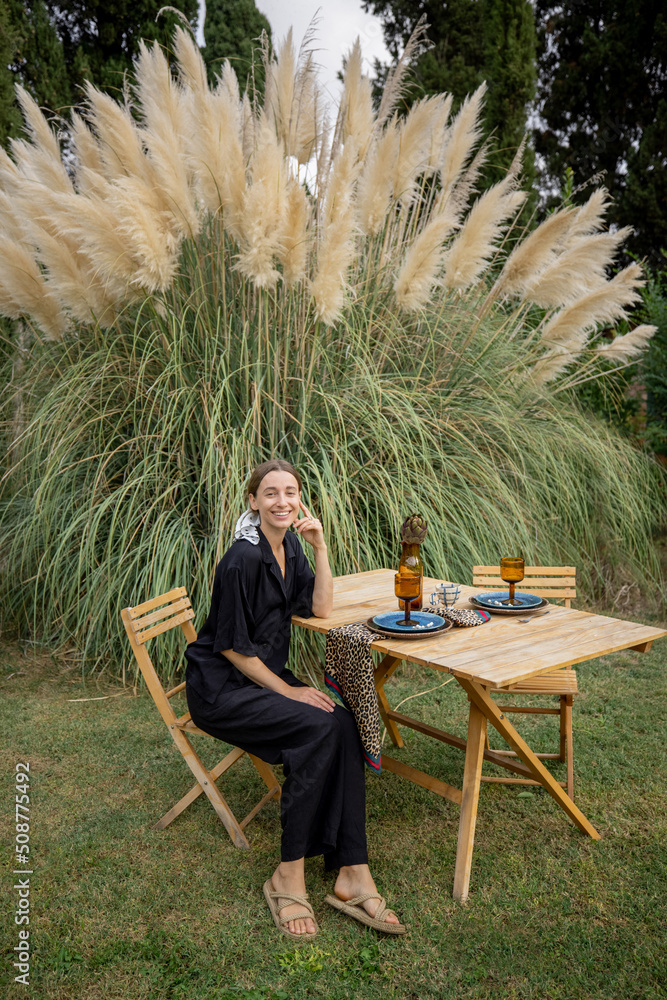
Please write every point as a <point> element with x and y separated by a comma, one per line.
<point>119,910</point>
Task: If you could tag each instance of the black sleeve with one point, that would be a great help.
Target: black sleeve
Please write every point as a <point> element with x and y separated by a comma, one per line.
<point>304,581</point>
<point>235,626</point>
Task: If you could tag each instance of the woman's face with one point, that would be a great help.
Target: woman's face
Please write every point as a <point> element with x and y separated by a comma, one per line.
<point>277,499</point>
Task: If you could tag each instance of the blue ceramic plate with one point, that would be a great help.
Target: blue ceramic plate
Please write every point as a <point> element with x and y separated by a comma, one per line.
<point>416,635</point>
<point>495,600</point>
<point>420,621</point>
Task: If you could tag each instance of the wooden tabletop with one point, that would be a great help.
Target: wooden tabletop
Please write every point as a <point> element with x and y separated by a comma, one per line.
<point>499,653</point>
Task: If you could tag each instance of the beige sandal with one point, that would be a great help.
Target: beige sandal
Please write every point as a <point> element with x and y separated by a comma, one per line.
<point>354,909</point>
<point>278,900</point>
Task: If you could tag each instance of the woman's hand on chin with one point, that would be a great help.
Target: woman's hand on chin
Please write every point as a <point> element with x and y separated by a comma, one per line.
<point>312,696</point>
<point>310,528</point>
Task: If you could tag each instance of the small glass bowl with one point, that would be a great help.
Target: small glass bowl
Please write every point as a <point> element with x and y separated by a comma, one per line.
<point>445,593</point>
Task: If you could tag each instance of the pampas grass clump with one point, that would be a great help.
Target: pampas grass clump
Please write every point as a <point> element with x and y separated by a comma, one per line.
<point>211,282</point>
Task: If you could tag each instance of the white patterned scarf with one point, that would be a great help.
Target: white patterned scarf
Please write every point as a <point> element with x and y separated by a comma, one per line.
<point>246,527</point>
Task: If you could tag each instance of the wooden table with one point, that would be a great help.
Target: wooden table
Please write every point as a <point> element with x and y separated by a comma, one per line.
<point>491,656</point>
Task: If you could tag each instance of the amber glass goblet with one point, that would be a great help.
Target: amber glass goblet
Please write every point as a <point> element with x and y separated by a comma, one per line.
<point>406,588</point>
<point>512,572</point>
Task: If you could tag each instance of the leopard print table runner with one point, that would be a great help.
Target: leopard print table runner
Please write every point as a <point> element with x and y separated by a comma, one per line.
<point>462,617</point>
<point>348,673</point>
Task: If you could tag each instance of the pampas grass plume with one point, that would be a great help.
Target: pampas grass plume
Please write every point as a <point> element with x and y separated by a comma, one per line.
<point>472,248</point>
<point>579,269</point>
<point>439,133</point>
<point>552,364</point>
<point>23,291</point>
<point>89,168</point>
<point>375,188</point>
<point>295,239</point>
<point>357,103</point>
<point>12,225</point>
<point>590,217</point>
<point>533,254</point>
<point>39,160</point>
<point>607,304</point>
<point>414,148</point>
<point>191,68</point>
<point>264,209</point>
<point>213,141</point>
<point>423,263</point>
<point>279,95</point>
<point>630,345</point>
<point>119,141</point>
<point>92,222</point>
<point>337,248</point>
<point>462,136</point>
<point>396,82</point>
<point>163,134</point>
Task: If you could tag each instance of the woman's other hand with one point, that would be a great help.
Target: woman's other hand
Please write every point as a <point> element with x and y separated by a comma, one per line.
<point>310,528</point>
<point>312,696</point>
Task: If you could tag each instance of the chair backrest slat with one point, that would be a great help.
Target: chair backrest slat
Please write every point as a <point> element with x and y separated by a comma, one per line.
<point>532,581</point>
<point>155,602</point>
<point>531,570</point>
<point>552,582</point>
<point>156,616</point>
<point>164,626</point>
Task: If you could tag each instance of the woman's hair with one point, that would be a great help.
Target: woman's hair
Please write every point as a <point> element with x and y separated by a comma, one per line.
<point>273,465</point>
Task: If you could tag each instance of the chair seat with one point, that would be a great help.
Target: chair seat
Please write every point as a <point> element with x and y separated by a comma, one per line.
<point>189,727</point>
<point>186,725</point>
<point>555,682</point>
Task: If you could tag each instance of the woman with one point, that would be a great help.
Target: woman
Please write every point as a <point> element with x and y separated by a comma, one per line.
<point>240,691</point>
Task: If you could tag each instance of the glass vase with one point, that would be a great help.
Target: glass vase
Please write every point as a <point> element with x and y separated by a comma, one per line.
<point>411,564</point>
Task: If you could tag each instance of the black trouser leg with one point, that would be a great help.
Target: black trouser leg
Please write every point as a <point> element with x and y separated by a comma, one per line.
<point>323,800</point>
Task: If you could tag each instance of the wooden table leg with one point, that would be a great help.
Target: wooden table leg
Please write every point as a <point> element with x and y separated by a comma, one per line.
<point>381,674</point>
<point>471,782</point>
<point>481,698</point>
<point>566,749</point>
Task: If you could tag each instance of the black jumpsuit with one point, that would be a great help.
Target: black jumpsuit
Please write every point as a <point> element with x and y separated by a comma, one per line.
<point>323,798</point>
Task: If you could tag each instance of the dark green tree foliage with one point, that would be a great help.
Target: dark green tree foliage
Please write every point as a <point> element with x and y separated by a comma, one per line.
<point>472,41</point>
<point>100,37</point>
<point>231,31</point>
<point>653,371</point>
<point>454,62</point>
<point>32,55</point>
<point>10,119</point>
<point>602,100</point>
<point>52,46</point>
<point>41,65</point>
<point>509,69</point>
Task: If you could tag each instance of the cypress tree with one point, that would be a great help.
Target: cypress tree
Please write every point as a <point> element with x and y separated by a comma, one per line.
<point>509,69</point>
<point>101,37</point>
<point>602,106</point>
<point>231,31</point>
<point>472,41</point>
<point>10,120</point>
<point>453,63</point>
<point>32,55</point>
<point>41,66</point>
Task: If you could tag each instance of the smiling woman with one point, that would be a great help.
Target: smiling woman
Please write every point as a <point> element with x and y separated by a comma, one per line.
<point>239,690</point>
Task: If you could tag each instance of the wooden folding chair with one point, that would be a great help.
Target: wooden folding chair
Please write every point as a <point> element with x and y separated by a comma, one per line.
<point>554,583</point>
<point>142,623</point>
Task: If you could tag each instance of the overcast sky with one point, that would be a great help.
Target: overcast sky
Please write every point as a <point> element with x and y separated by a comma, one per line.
<point>340,21</point>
